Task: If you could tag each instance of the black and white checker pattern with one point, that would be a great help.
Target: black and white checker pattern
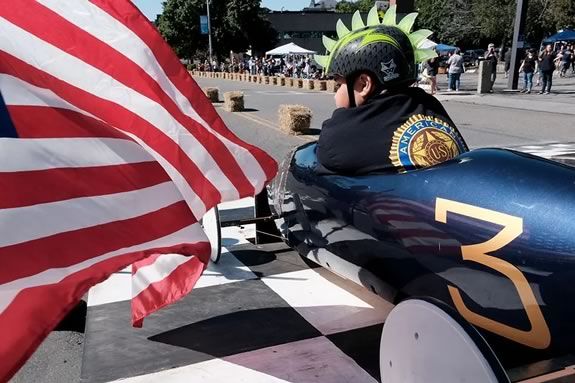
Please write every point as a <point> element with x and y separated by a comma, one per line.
<point>260,315</point>
<point>560,152</point>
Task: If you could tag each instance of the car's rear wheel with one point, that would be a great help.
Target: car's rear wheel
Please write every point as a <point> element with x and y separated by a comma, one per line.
<point>424,340</point>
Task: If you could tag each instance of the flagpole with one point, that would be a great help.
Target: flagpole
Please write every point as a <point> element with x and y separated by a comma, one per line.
<point>209,32</point>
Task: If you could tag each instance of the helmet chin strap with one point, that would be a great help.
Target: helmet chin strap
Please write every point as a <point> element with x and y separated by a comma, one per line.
<point>350,82</point>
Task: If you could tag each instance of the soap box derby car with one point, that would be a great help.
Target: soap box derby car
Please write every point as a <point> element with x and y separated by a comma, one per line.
<point>487,239</point>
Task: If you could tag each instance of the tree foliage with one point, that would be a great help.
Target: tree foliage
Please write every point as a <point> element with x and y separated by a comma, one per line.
<point>345,6</point>
<point>477,22</point>
<point>235,25</point>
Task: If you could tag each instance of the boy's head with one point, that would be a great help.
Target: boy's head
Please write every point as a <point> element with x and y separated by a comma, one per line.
<point>369,59</point>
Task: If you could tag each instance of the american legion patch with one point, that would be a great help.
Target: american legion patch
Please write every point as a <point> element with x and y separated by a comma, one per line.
<point>424,141</point>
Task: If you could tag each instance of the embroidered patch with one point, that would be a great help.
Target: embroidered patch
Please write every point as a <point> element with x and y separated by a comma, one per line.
<point>424,141</point>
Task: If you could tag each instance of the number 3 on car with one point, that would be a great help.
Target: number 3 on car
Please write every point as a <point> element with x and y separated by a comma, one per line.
<point>538,336</point>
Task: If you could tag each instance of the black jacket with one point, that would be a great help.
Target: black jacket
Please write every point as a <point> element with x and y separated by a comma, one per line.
<point>397,130</point>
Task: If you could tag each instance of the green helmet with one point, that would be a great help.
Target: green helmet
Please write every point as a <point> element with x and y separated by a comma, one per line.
<point>387,50</point>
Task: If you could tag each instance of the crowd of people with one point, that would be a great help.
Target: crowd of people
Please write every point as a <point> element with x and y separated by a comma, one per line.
<point>539,67</point>
<point>287,66</point>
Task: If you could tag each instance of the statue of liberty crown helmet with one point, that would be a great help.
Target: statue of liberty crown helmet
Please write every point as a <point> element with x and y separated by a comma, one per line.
<point>386,49</point>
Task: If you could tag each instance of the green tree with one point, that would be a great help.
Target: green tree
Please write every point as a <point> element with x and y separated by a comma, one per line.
<point>477,22</point>
<point>178,25</point>
<point>452,21</point>
<point>351,6</point>
<point>495,18</point>
<point>235,24</point>
<point>560,14</point>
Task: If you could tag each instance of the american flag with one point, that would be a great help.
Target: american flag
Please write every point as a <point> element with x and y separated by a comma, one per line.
<point>110,155</point>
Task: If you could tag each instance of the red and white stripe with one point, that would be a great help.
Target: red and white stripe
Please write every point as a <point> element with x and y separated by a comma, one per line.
<point>414,234</point>
<point>119,153</point>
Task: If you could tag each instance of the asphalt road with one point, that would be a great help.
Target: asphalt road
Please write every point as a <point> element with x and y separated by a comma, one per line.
<point>59,358</point>
<point>480,125</point>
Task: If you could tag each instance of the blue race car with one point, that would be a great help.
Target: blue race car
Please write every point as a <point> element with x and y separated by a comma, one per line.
<point>489,235</point>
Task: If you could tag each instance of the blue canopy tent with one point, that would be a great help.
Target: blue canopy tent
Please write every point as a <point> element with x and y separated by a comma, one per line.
<point>444,48</point>
<point>566,35</point>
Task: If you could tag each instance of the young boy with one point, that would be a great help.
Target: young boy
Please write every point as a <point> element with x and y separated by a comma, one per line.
<point>381,122</point>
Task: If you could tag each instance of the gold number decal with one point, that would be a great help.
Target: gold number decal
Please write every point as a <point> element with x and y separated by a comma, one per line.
<point>538,336</point>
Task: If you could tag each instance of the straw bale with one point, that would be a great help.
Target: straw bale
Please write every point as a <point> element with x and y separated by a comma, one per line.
<point>212,94</point>
<point>234,101</point>
<point>294,119</point>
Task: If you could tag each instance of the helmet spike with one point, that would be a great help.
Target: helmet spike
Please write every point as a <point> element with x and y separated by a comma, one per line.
<point>372,17</point>
<point>418,37</point>
<point>321,60</point>
<point>422,55</point>
<point>341,29</point>
<point>390,16</point>
<point>357,22</point>
<point>407,22</point>
<point>328,43</point>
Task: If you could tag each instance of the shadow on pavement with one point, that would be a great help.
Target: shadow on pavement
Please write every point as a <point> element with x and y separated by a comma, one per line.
<point>75,320</point>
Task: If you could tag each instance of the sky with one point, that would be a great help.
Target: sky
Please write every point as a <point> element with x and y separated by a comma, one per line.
<point>153,7</point>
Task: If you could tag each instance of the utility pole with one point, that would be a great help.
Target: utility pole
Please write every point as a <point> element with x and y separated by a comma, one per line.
<point>209,32</point>
<point>518,43</point>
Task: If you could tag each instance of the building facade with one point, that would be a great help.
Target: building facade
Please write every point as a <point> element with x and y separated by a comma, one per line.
<point>305,28</point>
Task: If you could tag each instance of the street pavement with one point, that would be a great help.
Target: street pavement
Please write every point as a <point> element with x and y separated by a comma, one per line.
<point>501,119</point>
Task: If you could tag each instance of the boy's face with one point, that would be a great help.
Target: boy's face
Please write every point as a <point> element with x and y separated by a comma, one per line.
<point>341,96</point>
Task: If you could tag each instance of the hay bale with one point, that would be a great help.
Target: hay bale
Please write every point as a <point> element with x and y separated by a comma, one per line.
<point>266,80</point>
<point>260,79</point>
<point>274,80</point>
<point>294,119</point>
<point>212,94</point>
<point>255,79</point>
<point>297,83</point>
<point>321,85</point>
<point>234,101</point>
<point>281,81</point>
<point>332,86</point>
<point>308,84</point>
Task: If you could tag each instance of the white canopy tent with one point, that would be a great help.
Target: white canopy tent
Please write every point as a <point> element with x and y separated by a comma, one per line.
<point>428,44</point>
<point>289,49</point>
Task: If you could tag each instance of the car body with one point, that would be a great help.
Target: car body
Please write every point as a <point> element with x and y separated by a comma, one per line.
<point>490,233</point>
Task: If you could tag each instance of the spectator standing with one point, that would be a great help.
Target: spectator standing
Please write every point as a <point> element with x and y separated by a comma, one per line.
<point>507,59</point>
<point>547,66</point>
<point>491,57</point>
<point>455,63</point>
<point>566,58</point>
<point>432,65</point>
<point>528,67</point>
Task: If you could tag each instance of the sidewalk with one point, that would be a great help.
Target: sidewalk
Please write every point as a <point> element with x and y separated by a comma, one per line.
<point>561,100</point>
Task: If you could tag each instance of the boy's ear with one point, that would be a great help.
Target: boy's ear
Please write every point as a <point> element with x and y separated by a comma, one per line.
<point>365,85</point>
